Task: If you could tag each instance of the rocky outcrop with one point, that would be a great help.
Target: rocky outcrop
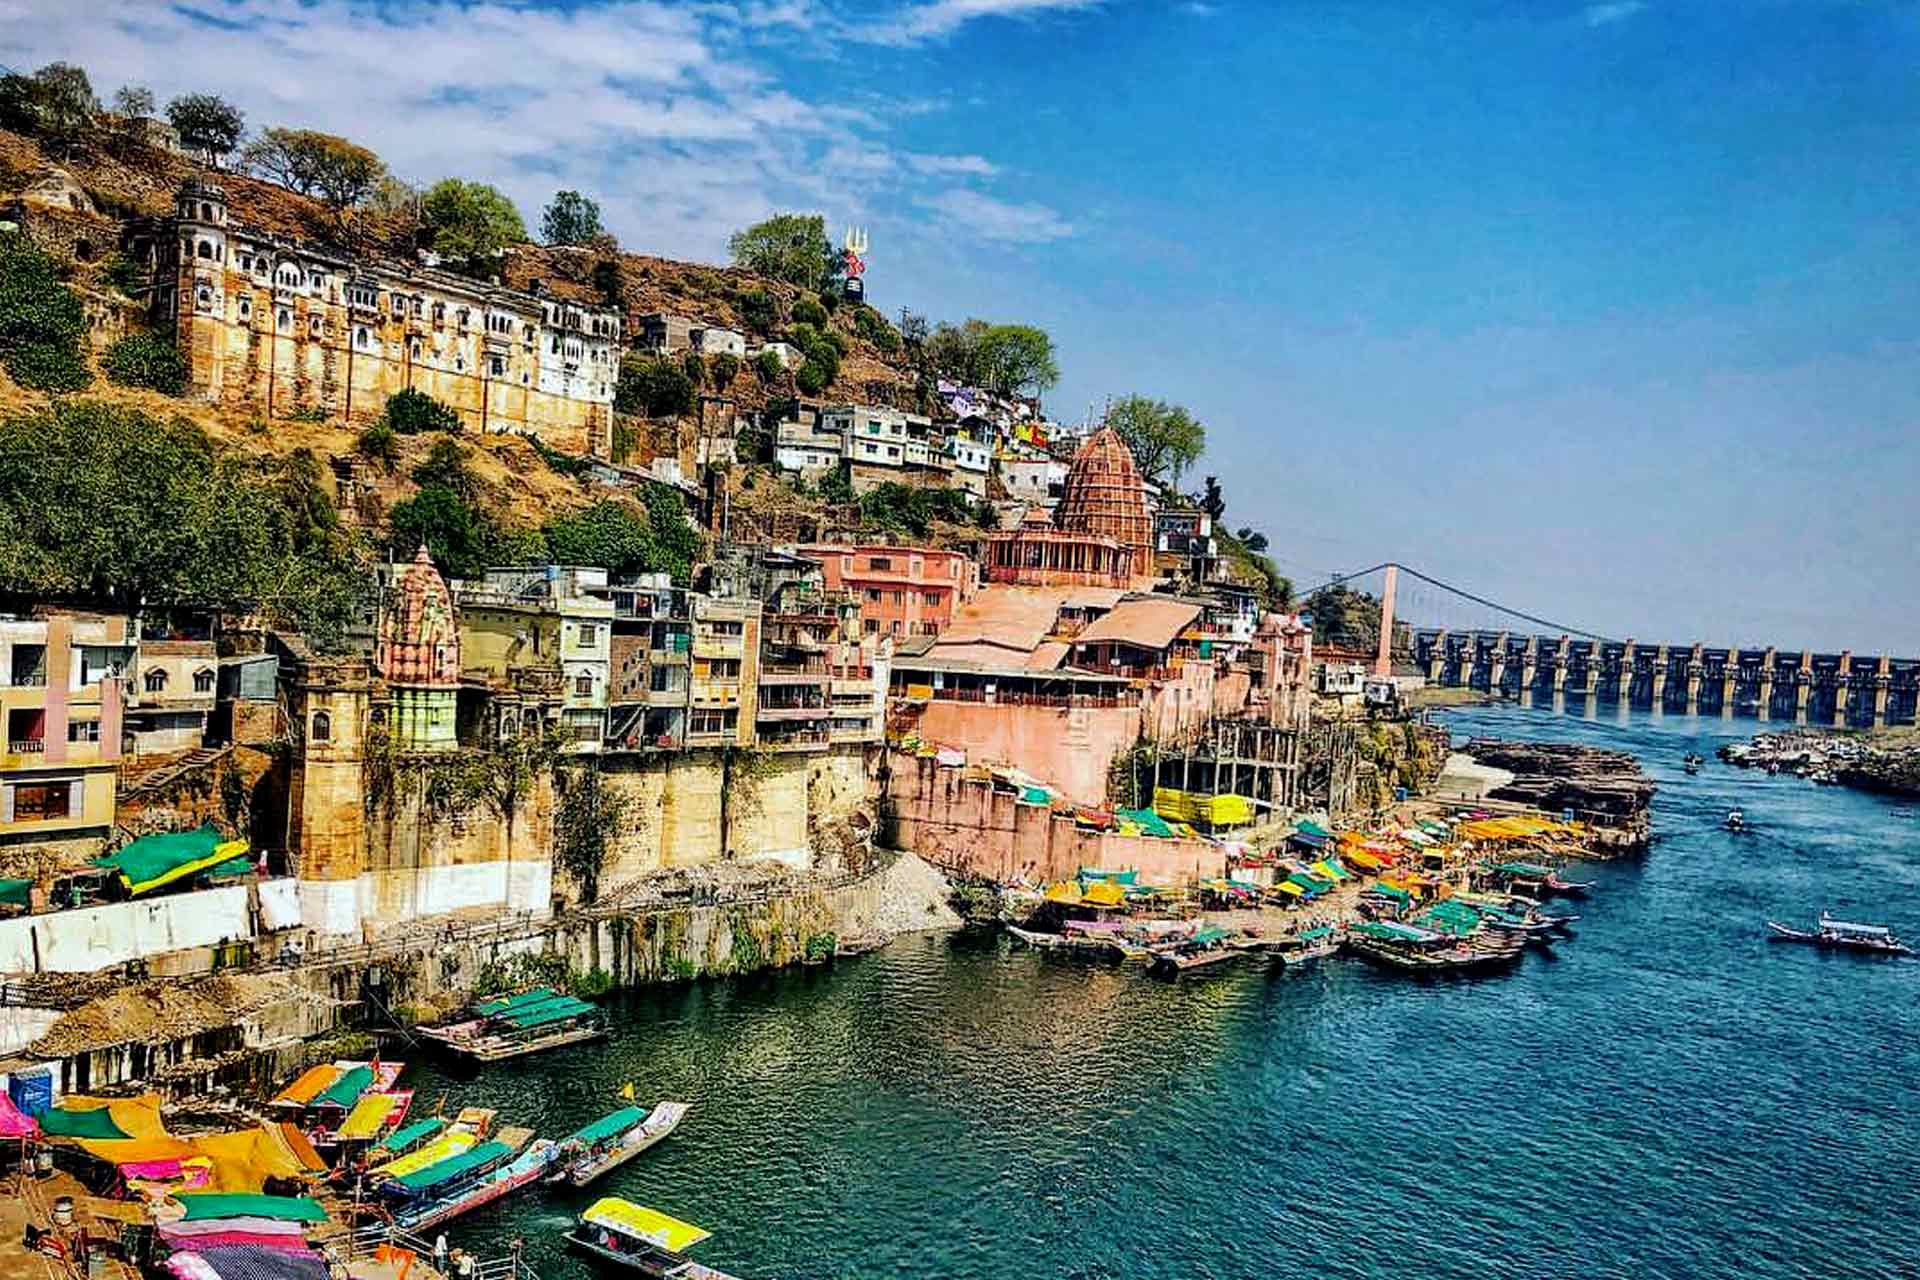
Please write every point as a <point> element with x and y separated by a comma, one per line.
<point>1602,786</point>
<point>1888,763</point>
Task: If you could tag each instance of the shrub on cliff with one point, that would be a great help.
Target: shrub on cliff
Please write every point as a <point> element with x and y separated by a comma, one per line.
<point>413,412</point>
<point>769,366</point>
<point>655,388</point>
<point>725,368</point>
<point>42,324</point>
<point>146,360</point>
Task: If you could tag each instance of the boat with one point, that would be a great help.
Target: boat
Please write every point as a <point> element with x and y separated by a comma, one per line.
<point>1693,762</point>
<point>532,1165</point>
<point>513,1026</point>
<point>1035,939</point>
<point>1736,820</point>
<point>1203,950</point>
<point>1840,935</point>
<point>642,1240</point>
<point>1569,888</point>
<point>611,1141</point>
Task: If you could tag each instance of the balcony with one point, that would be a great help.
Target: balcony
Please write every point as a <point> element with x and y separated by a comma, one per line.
<point>790,677</point>
<point>717,646</point>
<point>26,746</point>
<point>778,715</point>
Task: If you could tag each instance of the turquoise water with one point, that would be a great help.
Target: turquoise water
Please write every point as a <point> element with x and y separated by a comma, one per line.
<point>1666,1096</point>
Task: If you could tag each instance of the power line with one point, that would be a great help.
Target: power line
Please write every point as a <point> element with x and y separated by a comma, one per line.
<point>1464,594</point>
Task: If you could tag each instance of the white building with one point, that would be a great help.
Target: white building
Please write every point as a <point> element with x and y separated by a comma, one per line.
<point>1037,482</point>
<point>711,341</point>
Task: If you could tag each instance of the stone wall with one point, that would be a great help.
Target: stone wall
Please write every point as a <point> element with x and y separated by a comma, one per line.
<point>968,827</point>
<point>1068,748</point>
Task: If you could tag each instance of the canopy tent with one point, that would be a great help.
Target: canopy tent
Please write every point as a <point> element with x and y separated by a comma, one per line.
<point>547,1014</point>
<point>18,893</point>
<point>1208,936</point>
<point>1147,821</point>
<point>1087,874</point>
<point>1517,827</point>
<point>650,1225</point>
<point>1291,889</point>
<point>298,1147</point>
<point>1103,893</point>
<point>419,1131</point>
<point>346,1091</point>
<point>1528,870</point>
<point>1312,828</point>
<point>1308,840</point>
<point>1066,893</point>
<point>534,1008</point>
<point>1456,918</point>
<point>370,1115</point>
<point>445,1147</point>
<point>610,1126</point>
<point>1201,806</point>
<point>1314,934</point>
<point>93,1122</point>
<point>15,1123</point>
<point>213,1204</point>
<point>1362,859</point>
<point>500,1004</point>
<point>309,1085</point>
<point>1388,931</point>
<point>153,861</point>
<point>480,1157</point>
<point>1393,892</point>
<point>245,1159</point>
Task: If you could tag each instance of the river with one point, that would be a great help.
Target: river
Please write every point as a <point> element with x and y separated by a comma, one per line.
<point>1665,1096</point>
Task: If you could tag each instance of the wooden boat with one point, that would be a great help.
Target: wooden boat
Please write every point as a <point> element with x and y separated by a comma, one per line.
<point>1736,821</point>
<point>1207,948</point>
<point>610,1142</point>
<point>641,1240</point>
<point>515,1026</point>
<point>1035,939</point>
<point>1839,935</point>
<point>1569,888</point>
<point>529,1167</point>
<point>1693,762</point>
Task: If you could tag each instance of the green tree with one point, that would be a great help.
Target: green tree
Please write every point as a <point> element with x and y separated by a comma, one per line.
<point>207,124</point>
<point>133,101</point>
<point>146,360</point>
<point>445,466</point>
<point>570,218</point>
<point>1165,438</point>
<point>379,443</point>
<point>411,412</point>
<point>725,368</point>
<point>471,223</point>
<point>758,311</point>
<point>322,165</point>
<point>873,326</point>
<point>454,531</point>
<point>612,534</point>
<point>1017,358</point>
<point>588,815</point>
<point>653,387</point>
<point>788,246</point>
<point>768,365</point>
<point>676,541</point>
<point>42,324</point>
<point>809,311</point>
<point>65,102</point>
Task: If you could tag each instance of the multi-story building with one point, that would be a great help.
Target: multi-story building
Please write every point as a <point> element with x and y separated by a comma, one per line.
<point>886,446</point>
<point>1183,542</point>
<point>649,663</point>
<point>1038,481</point>
<point>276,326</point>
<point>665,334</point>
<point>552,619</point>
<point>903,591</point>
<point>724,680</point>
<point>711,340</point>
<point>971,459</point>
<point>171,689</point>
<point>61,696</point>
<point>807,446</point>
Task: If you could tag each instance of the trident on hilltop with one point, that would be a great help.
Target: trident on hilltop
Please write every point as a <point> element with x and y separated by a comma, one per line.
<point>855,245</point>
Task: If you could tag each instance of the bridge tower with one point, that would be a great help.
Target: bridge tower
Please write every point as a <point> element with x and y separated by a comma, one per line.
<point>1497,669</point>
<point>1765,691</point>
<point>1842,688</point>
<point>1383,660</point>
<point>1882,685</point>
<point>1802,686</point>
<point>1694,671</point>
<point>1661,663</point>
<point>1437,658</point>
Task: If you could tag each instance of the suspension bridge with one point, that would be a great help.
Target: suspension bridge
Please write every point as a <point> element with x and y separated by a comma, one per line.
<point>1397,618</point>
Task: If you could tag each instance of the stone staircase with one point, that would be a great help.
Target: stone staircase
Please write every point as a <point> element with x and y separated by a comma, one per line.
<point>159,778</point>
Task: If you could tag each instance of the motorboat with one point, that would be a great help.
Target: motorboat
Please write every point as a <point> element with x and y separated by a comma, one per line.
<point>1693,762</point>
<point>641,1239</point>
<point>1736,821</point>
<point>1842,935</point>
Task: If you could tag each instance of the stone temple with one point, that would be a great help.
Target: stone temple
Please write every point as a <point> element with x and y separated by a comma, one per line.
<point>1101,534</point>
<point>418,654</point>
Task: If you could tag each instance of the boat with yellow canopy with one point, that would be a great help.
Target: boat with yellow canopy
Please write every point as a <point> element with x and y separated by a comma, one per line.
<point>641,1239</point>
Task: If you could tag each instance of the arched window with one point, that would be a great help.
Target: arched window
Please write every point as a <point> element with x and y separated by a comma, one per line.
<point>203,680</point>
<point>283,320</point>
<point>439,312</point>
<point>155,680</point>
<point>203,298</point>
<point>205,250</point>
<point>246,309</point>
<point>322,730</point>
<point>206,212</point>
<point>361,339</point>
<point>313,326</point>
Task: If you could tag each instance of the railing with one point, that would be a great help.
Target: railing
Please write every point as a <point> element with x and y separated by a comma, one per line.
<point>368,1241</point>
<point>27,746</point>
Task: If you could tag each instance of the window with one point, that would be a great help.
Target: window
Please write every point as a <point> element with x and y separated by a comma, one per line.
<point>583,685</point>
<point>880,562</point>
<point>497,365</point>
<point>873,594</point>
<point>899,597</point>
<point>873,626</point>
<point>313,326</point>
<point>361,338</point>
<point>892,452</point>
<point>203,680</point>
<point>439,312</point>
<point>155,680</point>
<point>42,801</point>
<point>246,309</point>
<point>931,599</point>
<point>322,729</point>
<point>205,250</point>
<point>83,731</point>
<point>283,320</point>
<point>589,634</point>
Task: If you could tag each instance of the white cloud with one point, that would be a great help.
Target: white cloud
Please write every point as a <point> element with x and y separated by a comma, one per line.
<point>1200,9</point>
<point>937,19</point>
<point>670,115</point>
<point>1599,15</point>
<point>994,219</point>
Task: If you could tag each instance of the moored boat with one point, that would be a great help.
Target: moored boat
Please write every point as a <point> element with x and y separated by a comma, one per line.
<point>611,1141</point>
<point>642,1240</point>
<point>529,1167</point>
<point>514,1026</point>
<point>1569,888</point>
<point>1842,935</point>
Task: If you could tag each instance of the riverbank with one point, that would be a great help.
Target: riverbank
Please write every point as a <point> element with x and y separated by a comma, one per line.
<point>1886,761</point>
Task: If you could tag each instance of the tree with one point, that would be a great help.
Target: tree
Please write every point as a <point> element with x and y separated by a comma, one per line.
<point>453,531</point>
<point>758,311</point>
<point>1214,502</point>
<point>1165,438</point>
<point>340,172</point>
<point>1251,539</point>
<point>445,467</point>
<point>394,198</point>
<point>653,387</point>
<point>570,218</point>
<point>470,222</point>
<point>1015,358</point>
<point>412,412</point>
<point>788,246</point>
<point>42,324</point>
<point>588,815</point>
<point>64,101</point>
<point>146,360</point>
<point>133,101</point>
<point>612,534</point>
<point>207,124</point>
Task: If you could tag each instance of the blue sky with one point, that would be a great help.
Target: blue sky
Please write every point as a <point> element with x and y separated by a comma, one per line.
<point>1606,310</point>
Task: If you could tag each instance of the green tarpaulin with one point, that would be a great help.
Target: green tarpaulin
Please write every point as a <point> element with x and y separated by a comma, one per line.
<point>96,1123</point>
<point>1207,937</point>
<point>502,1003</point>
<point>1532,870</point>
<point>419,1131</point>
<point>546,1014</point>
<point>151,861</point>
<point>1400,896</point>
<point>433,1175</point>
<point>202,1205</point>
<point>610,1126</point>
<point>16,892</point>
<point>1313,829</point>
<point>240,866</point>
<point>1147,820</point>
<point>346,1091</point>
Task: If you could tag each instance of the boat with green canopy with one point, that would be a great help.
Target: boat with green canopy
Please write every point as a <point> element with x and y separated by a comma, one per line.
<point>640,1239</point>
<point>612,1140</point>
<point>514,1026</point>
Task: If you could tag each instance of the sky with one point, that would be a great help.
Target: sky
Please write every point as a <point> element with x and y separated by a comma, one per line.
<point>1605,311</point>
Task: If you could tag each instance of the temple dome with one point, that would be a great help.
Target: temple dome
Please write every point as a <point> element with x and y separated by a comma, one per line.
<point>418,643</point>
<point>1105,496</point>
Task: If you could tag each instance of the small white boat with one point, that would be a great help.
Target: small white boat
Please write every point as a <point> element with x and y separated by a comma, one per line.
<point>1736,821</point>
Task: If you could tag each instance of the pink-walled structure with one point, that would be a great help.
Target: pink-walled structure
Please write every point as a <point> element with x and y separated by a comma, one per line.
<point>1068,746</point>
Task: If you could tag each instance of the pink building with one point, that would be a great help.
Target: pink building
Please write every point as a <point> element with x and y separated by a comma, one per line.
<point>904,591</point>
